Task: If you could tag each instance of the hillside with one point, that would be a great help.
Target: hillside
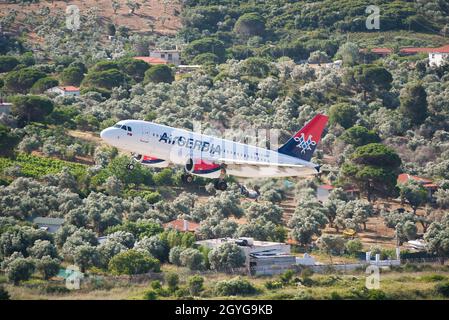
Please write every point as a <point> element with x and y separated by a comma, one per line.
<point>263,70</point>
<point>163,15</point>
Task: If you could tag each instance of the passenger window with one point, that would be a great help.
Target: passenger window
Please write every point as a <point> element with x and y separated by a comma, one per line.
<point>124,128</point>
<point>129,129</point>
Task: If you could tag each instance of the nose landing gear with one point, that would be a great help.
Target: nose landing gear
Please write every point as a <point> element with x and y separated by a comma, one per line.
<point>220,183</point>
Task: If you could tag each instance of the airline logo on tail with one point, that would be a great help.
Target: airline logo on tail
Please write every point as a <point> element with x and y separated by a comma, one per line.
<point>304,144</point>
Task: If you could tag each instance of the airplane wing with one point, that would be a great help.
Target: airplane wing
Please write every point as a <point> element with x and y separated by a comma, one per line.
<point>247,168</point>
<point>256,163</point>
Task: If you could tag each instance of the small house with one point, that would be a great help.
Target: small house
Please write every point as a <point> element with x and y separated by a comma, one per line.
<point>182,225</point>
<point>65,91</point>
<point>428,184</point>
<point>171,56</point>
<point>48,224</point>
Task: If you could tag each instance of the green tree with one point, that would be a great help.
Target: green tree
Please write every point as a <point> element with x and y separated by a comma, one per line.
<point>159,73</point>
<point>373,168</point>
<point>331,244</point>
<point>414,103</point>
<point>73,76</point>
<point>353,246</point>
<point>414,193</point>
<point>48,267</point>
<point>8,141</point>
<point>255,67</point>
<point>437,238</point>
<point>175,255</point>
<point>4,295</point>
<point>31,108</point>
<point>192,259</point>
<point>226,257</point>
<point>359,136</point>
<point>19,269</point>
<point>22,80</point>
<point>86,256</point>
<point>307,220</point>
<point>349,53</point>
<point>8,63</point>
<point>133,68</point>
<point>133,262</point>
<point>235,286</point>
<point>343,114</point>
<point>172,280</point>
<point>371,78</point>
<point>107,79</point>
<point>164,177</point>
<point>204,45</point>
<point>117,168</point>
<point>250,24</point>
<point>43,84</point>
<point>195,284</point>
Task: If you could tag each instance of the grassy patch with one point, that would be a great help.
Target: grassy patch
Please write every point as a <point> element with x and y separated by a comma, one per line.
<point>37,167</point>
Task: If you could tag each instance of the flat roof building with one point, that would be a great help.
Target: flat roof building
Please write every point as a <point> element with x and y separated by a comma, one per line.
<point>262,257</point>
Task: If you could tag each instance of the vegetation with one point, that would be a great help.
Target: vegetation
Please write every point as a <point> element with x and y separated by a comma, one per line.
<point>265,64</point>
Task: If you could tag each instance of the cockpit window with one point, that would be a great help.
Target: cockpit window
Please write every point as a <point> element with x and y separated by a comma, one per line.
<point>117,126</point>
<point>124,128</point>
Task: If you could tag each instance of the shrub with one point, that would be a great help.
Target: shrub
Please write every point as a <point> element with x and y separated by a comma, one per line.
<point>133,262</point>
<point>192,259</point>
<point>443,288</point>
<point>195,284</point>
<point>4,295</point>
<point>273,284</point>
<point>175,255</point>
<point>433,278</point>
<point>150,295</point>
<point>226,257</point>
<point>287,276</point>
<point>233,287</point>
<point>172,280</point>
<point>159,73</point>
<point>353,246</point>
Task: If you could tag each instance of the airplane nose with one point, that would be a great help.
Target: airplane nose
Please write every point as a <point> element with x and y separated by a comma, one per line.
<point>106,134</point>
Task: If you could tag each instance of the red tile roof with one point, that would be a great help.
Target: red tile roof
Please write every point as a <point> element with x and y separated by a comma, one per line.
<point>405,177</point>
<point>152,60</point>
<point>179,224</point>
<point>382,50</point>
<point>443,49</point>
<point>326,187</point>
<point>69,88</point>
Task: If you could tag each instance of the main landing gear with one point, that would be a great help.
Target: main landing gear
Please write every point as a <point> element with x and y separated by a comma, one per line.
<point>187,178</point>
<point>130,166</point>
<point>220,183</point>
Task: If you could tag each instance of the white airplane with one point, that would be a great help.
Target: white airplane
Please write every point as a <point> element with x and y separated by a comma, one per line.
<point>161,146</point>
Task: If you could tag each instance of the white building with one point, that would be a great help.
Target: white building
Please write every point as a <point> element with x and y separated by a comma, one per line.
<point>438,57</point>
<point>65,91</point>
<point>51,225</point>
<point>171,56</point>
<point>262,257</point>
<point>5,107</point>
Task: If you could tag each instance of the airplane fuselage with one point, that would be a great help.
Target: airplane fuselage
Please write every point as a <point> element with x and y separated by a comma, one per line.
<point>177,146</point>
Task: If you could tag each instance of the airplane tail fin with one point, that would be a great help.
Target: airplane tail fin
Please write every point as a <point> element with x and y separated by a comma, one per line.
<point>304,142</point>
